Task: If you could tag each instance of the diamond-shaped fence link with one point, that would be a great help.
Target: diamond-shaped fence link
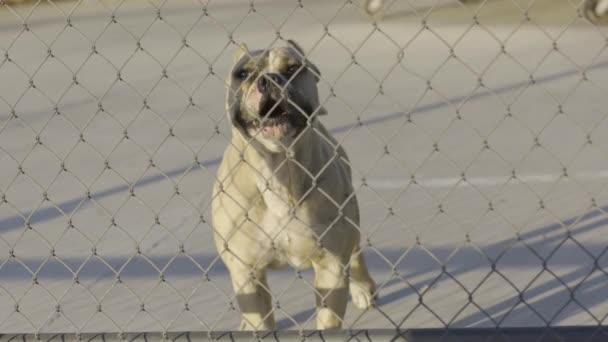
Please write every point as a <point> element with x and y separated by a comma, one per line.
<point>477,137</point>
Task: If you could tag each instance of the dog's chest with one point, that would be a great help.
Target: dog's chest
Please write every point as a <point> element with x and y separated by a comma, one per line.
<point>281,190</point>
<point>277,197</point>
<point>286,224</point>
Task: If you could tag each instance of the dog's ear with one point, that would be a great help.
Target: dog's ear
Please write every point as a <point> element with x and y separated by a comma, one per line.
<point>320,110</point>
<point>242,51</point>
<point>296,46</point>
<point>291,43</point>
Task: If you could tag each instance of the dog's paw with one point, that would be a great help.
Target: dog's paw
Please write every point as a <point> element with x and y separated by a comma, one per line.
<point>362,295</point>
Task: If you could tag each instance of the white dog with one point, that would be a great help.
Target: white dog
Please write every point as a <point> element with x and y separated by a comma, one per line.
<point>284,193</point>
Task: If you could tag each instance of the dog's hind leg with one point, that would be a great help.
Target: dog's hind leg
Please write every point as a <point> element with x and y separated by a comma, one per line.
<point>254,298</point>
<point>331,291</point>
<point>362,287</point>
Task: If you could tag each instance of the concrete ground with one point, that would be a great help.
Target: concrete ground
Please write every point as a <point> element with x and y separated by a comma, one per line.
<point>477,135</point>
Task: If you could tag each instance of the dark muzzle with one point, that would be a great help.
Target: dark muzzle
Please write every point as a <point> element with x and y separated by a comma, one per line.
<point>269,82</point>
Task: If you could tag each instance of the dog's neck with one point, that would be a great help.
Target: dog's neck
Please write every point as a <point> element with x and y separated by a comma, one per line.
<point>295,168</point>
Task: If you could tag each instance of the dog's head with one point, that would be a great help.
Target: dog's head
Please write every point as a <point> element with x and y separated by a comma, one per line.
<point>273,95</point>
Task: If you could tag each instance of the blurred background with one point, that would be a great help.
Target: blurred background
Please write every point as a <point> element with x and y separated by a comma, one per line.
<point>477,133</point>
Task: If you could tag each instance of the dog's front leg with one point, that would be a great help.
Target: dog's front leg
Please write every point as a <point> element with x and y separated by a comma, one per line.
<point>331,285</point>
<point>254,298</point>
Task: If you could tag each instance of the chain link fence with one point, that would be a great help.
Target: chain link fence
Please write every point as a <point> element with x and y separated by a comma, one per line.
<point>476,132</point>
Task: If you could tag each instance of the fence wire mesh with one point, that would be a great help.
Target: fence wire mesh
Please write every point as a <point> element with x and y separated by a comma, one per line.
<point>476,132</point>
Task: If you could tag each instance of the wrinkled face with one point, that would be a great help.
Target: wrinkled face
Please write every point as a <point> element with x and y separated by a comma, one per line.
<point>273,96</point>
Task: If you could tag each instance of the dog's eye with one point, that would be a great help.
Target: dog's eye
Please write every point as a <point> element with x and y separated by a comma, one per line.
<point>292,69</point>
<point>241,74</point>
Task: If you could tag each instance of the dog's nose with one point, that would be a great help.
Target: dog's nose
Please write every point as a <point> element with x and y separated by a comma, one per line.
<point>265,82</point>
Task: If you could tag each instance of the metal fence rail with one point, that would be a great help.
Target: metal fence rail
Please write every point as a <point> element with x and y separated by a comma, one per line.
<point>476,132</point>
<point>569,334</point>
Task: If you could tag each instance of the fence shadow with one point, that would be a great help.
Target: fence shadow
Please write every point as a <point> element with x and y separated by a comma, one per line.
<point>519,313</point>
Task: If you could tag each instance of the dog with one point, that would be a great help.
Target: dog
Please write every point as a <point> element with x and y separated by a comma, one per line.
<point>284,194</point>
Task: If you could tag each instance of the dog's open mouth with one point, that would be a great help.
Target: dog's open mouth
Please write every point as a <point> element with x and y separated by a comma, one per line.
<point>276,122</point>
<point>275,127</point>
